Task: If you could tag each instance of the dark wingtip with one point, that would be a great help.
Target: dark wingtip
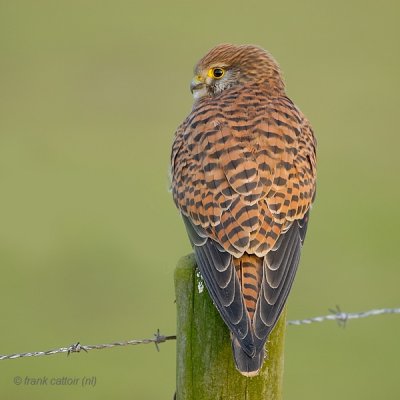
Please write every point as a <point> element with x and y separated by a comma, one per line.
<point>246,365</point>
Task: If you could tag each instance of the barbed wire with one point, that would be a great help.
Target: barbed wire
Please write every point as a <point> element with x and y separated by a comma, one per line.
<point>343,317</point>
<point>77,347</point>
<point>335,315</point>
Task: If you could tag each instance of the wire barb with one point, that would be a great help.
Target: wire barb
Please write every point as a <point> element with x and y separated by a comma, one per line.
<point>335,315</point>
<point>76,348</point>
<point>341,316</point>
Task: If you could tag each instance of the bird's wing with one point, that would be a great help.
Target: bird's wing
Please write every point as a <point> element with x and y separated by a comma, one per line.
<point>279,269</point>
<point>217,269</point>
<point>243,177</point>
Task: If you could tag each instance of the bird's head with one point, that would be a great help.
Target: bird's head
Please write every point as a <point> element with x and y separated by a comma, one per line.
<point>227,65</point>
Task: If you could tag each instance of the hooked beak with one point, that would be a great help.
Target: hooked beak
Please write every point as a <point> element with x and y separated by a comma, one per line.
<point>197,83</point>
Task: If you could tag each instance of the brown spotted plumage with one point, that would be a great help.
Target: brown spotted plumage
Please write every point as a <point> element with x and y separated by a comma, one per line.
<point>243,169</point>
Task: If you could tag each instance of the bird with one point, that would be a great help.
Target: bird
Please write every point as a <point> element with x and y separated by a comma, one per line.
<point>243,177</point>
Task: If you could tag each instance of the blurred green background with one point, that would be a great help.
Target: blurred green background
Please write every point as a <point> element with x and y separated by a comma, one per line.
<point>90,95</point>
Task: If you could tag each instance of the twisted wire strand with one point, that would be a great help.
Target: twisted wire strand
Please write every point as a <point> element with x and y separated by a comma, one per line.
<point>343,317</point>
<point>78,347</point>
<point>335,315</point>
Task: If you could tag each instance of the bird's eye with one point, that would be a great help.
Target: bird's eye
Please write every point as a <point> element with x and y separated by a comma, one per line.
<point>216,73</point>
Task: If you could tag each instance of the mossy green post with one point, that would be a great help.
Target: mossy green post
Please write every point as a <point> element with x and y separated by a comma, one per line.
<point>205,367</point>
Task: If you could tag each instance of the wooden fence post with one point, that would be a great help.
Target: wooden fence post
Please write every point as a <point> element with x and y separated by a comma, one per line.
<point>205,367</point>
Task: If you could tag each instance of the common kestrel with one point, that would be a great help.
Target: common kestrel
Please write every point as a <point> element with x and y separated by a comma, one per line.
<point>243,169</point>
